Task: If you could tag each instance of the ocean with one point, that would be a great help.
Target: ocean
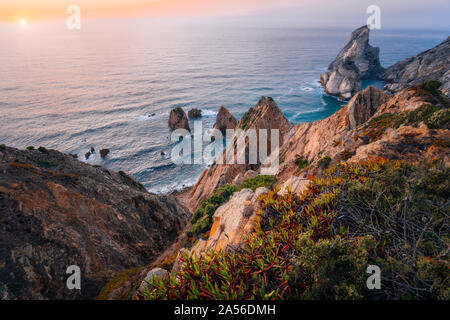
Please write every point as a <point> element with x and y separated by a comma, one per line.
<point>113,83</point>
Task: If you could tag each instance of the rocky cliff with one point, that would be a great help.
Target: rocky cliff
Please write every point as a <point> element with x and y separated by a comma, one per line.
<point>357,60</point>
<point>276,243</point>
<point>337,202</point>
<point>265,115</point>
<point>433,64</point>
<point>57,212</point>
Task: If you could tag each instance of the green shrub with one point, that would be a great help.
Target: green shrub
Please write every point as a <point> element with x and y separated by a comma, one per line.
<point>301,162</point>
<point>30,148</point>
<point>318,245</point>
<point>42,150</point>
<point>324,163</point>
<point>339,263</point>
<point>265,181</point>
<point>439,119</point>
<point>432,86</point>
<point>2,147</point>
<point>202,219</point>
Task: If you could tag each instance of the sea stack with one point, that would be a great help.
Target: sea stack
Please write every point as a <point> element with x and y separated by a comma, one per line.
<point>225,120</point>
<point>356,61</point>
<point>195,113</point>
<point>178,119</point>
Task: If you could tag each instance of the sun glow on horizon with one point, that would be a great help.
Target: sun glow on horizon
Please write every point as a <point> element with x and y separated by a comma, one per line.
<point>23,22</point>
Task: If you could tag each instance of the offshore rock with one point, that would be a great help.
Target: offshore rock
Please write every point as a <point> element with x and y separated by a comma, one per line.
<point>357,60</point>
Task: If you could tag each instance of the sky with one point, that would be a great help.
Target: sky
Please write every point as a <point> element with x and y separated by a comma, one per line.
<point>415,14</point>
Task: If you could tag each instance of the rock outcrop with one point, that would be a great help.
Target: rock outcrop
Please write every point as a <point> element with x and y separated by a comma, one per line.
<point>371,124</point>
<point>232,221</point>
<point>151,275</point>
<point>195,113</point>
<point>225,120</point>
<point>178,119</point>
<point>265,115</point>
<point>357,60</point>
<point>57,212</point>
<point>433,64</point>
<point>104,153</point>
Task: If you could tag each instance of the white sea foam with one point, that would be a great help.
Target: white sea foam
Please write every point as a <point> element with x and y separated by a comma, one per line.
<point>208,113</point>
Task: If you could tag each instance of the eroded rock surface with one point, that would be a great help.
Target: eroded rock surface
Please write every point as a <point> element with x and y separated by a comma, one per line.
<point>225,120</point>
<point>265,115</point>
<point>178,119</point>
<point>357,60</point>
<point>232,221</point>
<point>57,212</point>
<point>433,64</point>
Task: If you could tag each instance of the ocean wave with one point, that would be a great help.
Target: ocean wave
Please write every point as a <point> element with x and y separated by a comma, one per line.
<point>148,116</point>
<point>310,111</point>
<point>208,113</point>
<point>178,186</point>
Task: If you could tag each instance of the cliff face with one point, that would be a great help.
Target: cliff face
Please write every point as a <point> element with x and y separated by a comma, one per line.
<point>410,125</point>
<point>433,64</point>
<point>265,115</point>
<point>371,124</point>
<point>57,212</point>
<point>357,60</point>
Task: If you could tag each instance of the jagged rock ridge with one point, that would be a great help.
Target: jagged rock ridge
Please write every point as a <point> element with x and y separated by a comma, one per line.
<point>433,64</point>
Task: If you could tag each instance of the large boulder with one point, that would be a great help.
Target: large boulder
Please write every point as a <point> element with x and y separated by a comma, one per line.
<point>232,222</point>
<point>433,64</point>
<point>151,275</point>
<point>178,119</point>
<point>225,120</point>
<point>357,60</point>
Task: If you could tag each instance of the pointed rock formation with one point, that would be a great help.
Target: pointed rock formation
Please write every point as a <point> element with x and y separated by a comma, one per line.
<point>357,60</point>
<point>433,64</point>
<point>225,120</point>
<point>178,119</point>
<point>265,115</point>
<point>364,105</point>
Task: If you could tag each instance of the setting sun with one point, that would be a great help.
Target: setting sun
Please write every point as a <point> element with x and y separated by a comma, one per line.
<point>23,21</point>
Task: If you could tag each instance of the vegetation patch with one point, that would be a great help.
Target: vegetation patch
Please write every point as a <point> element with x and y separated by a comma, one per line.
<point>118,282</point>
<point>324,163</point>
<point>301,162</point>
<point>431,115</point>
<point>30,148</point>
<point>318,245</point>
<point>265,181</point>
<point>432,86</point>
<point>203,216</point>
<point>42,150</point>
<point>202,220</point>
<point>2,147</point>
